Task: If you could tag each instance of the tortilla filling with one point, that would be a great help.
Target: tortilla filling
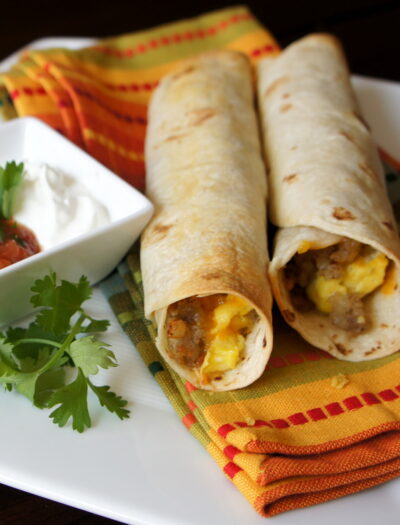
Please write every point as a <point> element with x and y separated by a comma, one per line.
<point>209,333</point>
<point>336,280</point>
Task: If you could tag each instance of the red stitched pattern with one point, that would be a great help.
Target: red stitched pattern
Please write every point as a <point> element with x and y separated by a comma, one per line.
<point>370,399</point>
<point>192,405</point>
<point>231,469</point>
<point>225,429</point>
<point>298,419</point>
<point>279,423</point>
<point>30,92</point>
<point>388,395</point>
<point>334,409</point>
<point>262,50</point>
<point>318,413</point>
<point>230,451</point>
<point>352,403</point>
<point>189,387</point>
<point>189,420</point>
<point>177,38</point>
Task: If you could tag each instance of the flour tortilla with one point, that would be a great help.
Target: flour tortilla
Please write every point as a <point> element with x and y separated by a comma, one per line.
<point>207,180</point>
<point>326,184</point>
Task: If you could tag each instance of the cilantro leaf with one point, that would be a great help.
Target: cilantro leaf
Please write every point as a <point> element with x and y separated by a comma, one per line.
<point>28,341</point>
<point>10,180</point>
<point>30,372</point>
<point>72,399</point>
<point>89,354</point>
<point>63,301</point>
<point>110,400</point>
<point>33,358</point>
<point>95,325</point>
<point>8,366</point>
<point>27,386</point>
<point>6,355</point>
<point>46,384</point>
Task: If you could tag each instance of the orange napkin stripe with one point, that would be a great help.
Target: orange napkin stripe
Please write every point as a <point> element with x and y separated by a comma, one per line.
<point>318,413</point>
<point>306,493</point>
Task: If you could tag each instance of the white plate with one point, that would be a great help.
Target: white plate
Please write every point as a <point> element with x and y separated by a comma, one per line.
<point>149,470</point>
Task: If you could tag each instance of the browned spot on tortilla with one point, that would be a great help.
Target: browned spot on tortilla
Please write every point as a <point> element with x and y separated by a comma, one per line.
<point>369,352</point>
<point>384,325</point>
<point>211,276</point>
<point>264,343</point>
<point>388,225</point>
<point>326,201</point>
<point>285,108</point>
<point>184,72</point>
<point>369,171</point>
<point>162,229</point>
<point>171,138</point>
<point>286,95</point>
<point>294,147</point>
<point>290,178</point>
<point>341,214</point>
<point>155,233</point>
<point>288,315</point>
<point>348,136</point>
<point>278,82</point>
<point>198,116</point>
<point>342,349</point>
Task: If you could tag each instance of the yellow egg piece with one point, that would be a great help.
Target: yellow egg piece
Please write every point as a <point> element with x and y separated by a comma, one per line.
<point>223,352</point>
<point>320,290</point>
<point>362,276</point>
<point>225,343</point>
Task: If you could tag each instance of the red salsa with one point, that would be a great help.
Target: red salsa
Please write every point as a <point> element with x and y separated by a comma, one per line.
<point>17,242</point>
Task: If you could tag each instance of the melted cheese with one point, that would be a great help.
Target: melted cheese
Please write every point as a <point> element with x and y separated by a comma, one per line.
<point>224,341</point>
<point>304,247</point>
<point>360,277</point>
<point>390,284</point>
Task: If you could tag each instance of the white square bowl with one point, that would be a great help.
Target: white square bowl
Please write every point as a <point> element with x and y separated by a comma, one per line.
<point>92,254</point>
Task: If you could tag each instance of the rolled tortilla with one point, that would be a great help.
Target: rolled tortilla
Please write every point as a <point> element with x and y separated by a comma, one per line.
<point>207,240</point>
<point>326,188</point>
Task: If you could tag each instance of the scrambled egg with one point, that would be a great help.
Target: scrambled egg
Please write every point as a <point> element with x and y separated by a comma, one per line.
<point>360,277</point>
<point>225,342</point>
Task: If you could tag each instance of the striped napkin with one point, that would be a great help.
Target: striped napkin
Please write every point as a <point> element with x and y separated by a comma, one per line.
<point>312,428</point>
<point>98,96</point>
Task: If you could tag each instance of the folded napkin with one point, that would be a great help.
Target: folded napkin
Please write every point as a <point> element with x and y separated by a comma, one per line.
<point>312,428</point>
<point>98,96</point>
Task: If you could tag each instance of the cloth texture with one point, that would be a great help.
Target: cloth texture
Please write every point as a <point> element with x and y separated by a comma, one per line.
<point>312,428</point>
<point>97,96</point>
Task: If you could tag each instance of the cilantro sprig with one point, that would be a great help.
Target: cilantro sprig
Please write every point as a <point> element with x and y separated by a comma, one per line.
<point>33,359</point>
<point>10,180</point>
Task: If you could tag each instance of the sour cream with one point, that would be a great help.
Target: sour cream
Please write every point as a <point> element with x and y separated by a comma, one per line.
<point>55,206</point>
